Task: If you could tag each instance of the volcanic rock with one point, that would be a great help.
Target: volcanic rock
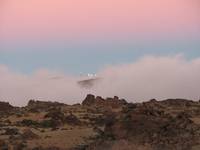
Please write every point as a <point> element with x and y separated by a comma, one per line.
<point>36,106</point>
<point>115,102</point>
<point>89,100</point>
<point>29,135</point>
<point>5,106</point>
<point>3,145</point>
<point>11,131</point>
<point>55,114</point>
<point>72,120</point>
<point>145,124</point>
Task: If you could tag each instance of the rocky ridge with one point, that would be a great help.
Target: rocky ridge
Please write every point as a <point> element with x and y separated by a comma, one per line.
<point>101,124</point>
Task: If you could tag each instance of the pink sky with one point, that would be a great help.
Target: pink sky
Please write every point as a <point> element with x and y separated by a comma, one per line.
<point>78,19</point>
<point>173,26</point>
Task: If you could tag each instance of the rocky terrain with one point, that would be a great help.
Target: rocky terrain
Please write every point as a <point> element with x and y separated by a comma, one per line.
<point>101,124</point>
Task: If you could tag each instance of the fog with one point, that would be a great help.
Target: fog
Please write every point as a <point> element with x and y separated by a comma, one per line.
<point>149,77</point>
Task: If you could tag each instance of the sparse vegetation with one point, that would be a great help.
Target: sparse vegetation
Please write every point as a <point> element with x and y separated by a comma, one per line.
<point>102,124</point>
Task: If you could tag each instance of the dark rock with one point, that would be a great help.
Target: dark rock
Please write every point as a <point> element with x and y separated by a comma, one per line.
<point>3,145</point>
<point>72,120</point>
<point>55,114</point>
<point>144,124</point>
<point>19,146</point>
<point>48,148</point>
<point>11,131</point>
<point>37,106</point>
<point>6,109</point>
<point>89,100</point>
<point>50,123</point>
<point>107,103</point>
<point>177,102</point>
<point>28,123</point>
<point>29,135</point>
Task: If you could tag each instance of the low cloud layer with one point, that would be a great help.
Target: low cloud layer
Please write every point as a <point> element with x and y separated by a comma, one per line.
<point>149,77</point>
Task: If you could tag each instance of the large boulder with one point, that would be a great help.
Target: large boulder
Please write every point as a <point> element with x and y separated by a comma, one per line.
<point>55,114</point>
<point>144,124</point>
<point>3,145</point>
<point>29,135</point>
<point>5,106</point>
<point>72,120</point>
<point>178,102</point>
<point>89,100</point>
<point>98,101</point>
<point>36,106</point>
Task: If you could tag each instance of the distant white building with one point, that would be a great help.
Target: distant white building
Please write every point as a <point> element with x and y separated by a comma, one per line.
<point>88,81</point>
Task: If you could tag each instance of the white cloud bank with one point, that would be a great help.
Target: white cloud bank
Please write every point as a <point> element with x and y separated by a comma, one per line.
<point>149,77</point>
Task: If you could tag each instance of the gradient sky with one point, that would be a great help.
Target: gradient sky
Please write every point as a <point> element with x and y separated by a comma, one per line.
<point>85,36</point>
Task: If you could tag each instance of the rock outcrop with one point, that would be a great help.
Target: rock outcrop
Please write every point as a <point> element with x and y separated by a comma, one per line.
<point>101,124</point>
<point>29,135</point>
<point>98,101</point>
<point>5,107</point>
<point>152,124</point>
<point>35,106</point>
